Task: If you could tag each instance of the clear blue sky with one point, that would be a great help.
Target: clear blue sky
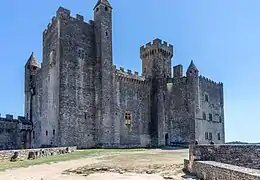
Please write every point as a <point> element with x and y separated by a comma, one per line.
<point>222,37</point>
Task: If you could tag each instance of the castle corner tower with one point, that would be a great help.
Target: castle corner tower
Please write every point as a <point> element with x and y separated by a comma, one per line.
<point>103,44</point>
<point>31,68</point>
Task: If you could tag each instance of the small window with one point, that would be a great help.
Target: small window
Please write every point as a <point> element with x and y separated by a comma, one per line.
<point>128,118</point>
<point>33,134</point>
<point>206,98</point>
<point>8,130</point>
<point>46,133</point>
<point>220,119</point>
<point>106,9</point>
<point>53,132</point>
<point>219,136</point>
<point>210,117</point>
<point>210,136</point>
<point>106,33</point>
<point>85,115</point>
<point>206,135</point>
<point>204,116</point>
<point>97,9</point>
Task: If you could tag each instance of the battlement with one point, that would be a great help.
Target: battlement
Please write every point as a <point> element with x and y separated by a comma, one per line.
<point>209,81</point>
<point>129,75</point>
<point>65,13</point>
<point>156,46</point>
<point>10,118</point>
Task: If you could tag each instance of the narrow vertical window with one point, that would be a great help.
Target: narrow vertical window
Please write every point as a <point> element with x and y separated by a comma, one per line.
<point>128,118</point>
<point>220,119</point>
<point>53,132</point>
<point>204,116</point>
<point>46,133</point>
<point>210,136</point>
<point>33,134</point>
<point>206,135</point>
<point>210,117</point>
<point>206,98</point>
<point>219,136</point>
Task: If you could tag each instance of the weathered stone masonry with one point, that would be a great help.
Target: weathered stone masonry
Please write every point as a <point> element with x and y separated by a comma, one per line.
<point>224,162</point>
<point>14,133</point>
<point>76,96</point>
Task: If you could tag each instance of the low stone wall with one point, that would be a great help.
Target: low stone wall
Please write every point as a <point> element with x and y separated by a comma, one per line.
<point>24,154</point>
<point>211,170</point>
<point>239,155</point>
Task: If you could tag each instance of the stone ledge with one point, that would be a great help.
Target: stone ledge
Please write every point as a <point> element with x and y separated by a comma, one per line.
<point>215,170</point>
<point>24,154</point>
<point>238,155</point>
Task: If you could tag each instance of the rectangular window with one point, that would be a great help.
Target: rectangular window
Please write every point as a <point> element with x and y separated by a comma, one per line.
<point>210,136</point>
<point>33,134</point>
<point>128,118</point>
<point>206,98</point>
<point>53,132</point>
<point>220,119</point>
<point>85,115</point>
<point>219,136</point>
<point>8,130</point>
<point>206,135</point>
<point>46,133</point>
<point>210,117</point>
<point>204,116</point>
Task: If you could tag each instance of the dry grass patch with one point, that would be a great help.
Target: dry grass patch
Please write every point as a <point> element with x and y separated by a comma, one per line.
<point>166,163</point>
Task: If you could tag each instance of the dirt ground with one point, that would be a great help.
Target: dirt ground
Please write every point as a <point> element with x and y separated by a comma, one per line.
<point>153,164</point>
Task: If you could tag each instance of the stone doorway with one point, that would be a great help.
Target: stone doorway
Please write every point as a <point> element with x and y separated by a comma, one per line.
<point>166,139</point>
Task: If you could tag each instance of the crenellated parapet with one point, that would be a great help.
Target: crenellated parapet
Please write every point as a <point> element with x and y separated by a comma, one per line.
<point>65,14</point>
<point>155,47</point>
<point>129,76</point>
<point>50,26</point>
<point>210,82</point>
<point>19,119</point>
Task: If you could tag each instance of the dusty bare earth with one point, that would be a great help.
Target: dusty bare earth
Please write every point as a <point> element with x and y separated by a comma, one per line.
<point>139,165</point>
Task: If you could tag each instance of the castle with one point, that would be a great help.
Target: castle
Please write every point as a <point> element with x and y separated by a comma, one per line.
<point>76,96</point>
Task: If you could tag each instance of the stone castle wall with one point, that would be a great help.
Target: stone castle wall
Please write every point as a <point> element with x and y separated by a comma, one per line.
<point>179,118</point>
<point>131,94</point>
<point>14,132</point>
<point>212,105</point>
<point>77,86</point>
<point>23,154</point>
<point>211,170</point>
<point>224,162</point>
<point>239,155</point>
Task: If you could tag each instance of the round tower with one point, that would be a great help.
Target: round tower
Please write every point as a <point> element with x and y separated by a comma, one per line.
<point>31,68</point>
<point>104,87</point>
<point>192,75</point>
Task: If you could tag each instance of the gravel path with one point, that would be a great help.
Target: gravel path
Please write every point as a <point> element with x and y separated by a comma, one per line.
<point>125,160</point>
